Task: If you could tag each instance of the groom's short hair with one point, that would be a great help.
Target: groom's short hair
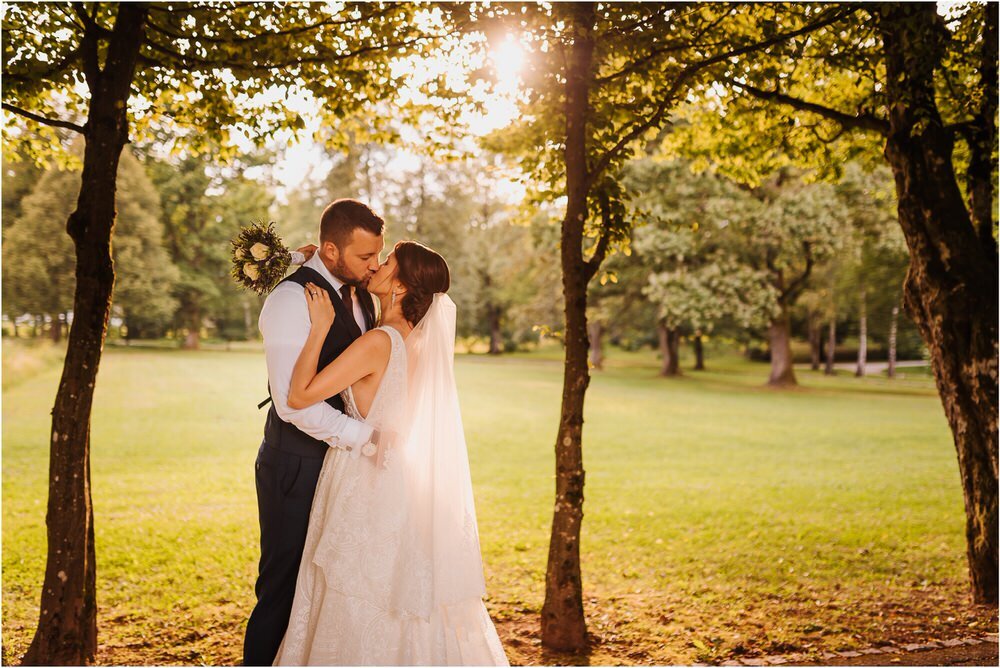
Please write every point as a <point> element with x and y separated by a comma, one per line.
<point>343,216</point>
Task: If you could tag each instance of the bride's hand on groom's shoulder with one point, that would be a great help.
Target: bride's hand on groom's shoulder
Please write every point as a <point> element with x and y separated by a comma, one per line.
<point>321,312</point>
<point>307,251</point>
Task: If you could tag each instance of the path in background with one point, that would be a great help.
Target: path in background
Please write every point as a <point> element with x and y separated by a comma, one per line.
<point>871,368</point>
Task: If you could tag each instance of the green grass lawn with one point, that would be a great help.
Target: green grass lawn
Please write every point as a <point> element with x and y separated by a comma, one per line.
<point>721,518</point>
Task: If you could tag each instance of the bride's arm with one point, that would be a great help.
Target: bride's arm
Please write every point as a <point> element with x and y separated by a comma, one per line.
<point>365,356</point>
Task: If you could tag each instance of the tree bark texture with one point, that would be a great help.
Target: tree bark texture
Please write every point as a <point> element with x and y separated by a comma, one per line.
<point>951,284</point>
<point>67,624</point>
<point>779,336</point>
<point>563,624</point>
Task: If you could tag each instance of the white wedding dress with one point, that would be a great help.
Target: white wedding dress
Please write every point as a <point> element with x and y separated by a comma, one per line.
<point>373,586</point>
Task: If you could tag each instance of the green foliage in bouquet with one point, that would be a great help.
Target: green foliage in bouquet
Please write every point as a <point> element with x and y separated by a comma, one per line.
<point>260,259</point>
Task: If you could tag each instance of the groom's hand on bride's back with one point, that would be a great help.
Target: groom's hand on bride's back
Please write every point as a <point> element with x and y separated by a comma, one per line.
<point>321,312</point>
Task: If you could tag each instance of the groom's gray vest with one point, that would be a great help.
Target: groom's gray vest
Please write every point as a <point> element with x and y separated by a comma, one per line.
<point>284,435</point>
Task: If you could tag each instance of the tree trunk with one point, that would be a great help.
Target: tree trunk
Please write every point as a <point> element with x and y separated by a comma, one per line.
<point>192,340</point>
<point>951,285</point>
<point>815,343</point>
<point>862,335</point>
<point>831,347</point>
<point>496,334</point>
<point>669,348</point>
<point>699,353</point>
<point>780,340</point>
<point>891,372</point>
<point>55,329</point>
<point>596,334</point>
<point>67,624</point>
<point>563,624</point>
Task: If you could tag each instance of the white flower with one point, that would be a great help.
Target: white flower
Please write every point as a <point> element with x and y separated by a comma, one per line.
<point>241,253</point>
<point>260,251</point>
<point>250,269</point>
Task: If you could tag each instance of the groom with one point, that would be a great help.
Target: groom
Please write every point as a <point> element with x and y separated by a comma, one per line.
<point>296,441</point>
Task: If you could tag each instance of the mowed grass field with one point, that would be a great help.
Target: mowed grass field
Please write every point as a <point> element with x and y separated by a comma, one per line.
<point>722,519</point>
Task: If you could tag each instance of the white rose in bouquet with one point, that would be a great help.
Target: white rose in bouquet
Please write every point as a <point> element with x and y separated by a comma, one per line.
<point>250,269</point>
<point>259,251</point>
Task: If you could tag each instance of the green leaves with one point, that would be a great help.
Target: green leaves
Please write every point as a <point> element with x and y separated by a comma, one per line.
<point>209,70</point>
<point>38,254</point>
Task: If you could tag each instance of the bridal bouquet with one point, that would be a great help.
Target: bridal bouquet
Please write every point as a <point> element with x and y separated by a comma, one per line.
<point>260,259</point>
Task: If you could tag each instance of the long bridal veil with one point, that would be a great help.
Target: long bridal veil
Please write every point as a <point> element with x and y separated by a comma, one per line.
<point>441,563</point>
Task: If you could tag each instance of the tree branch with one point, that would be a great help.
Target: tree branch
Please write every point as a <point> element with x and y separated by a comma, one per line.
<point>790,294</point>
<point>89,23</point>
<point>591,266</point>
<point>982,137</point>
<point>675,46</point>
<point>45,121</point>
<point>265,35</point>
<point>197,63</point>
<point>688,72</point>
<point>49,72</point>
<point>89,46</point>
<point>859,122</point>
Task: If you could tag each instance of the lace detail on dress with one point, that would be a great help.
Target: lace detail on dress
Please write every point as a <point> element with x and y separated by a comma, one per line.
<point>353,592</point>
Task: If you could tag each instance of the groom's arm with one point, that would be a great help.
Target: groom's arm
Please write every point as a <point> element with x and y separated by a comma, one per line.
<point>284,323</point>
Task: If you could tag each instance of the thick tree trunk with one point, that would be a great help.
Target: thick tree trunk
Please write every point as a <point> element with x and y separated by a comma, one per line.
<point>669,349</point>
<point>893,326</point>
<point>496,334</point>
<point>67,624</point>
<point>951,285</point>
<point>859,371</point>
<point>596,333</point>
<point>780,339</point>
<point>831,347</point>
<point>564,627</point>
<point>815,343</point>
<point>699,353</point>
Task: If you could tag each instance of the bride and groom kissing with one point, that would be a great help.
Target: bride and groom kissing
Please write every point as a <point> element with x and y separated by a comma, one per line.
<point>369,544</point>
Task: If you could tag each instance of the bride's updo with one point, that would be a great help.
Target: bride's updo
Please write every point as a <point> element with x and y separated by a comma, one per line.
<point>422,272</point>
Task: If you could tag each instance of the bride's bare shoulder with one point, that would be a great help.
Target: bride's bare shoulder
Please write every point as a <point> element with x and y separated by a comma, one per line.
<point>374,342</point>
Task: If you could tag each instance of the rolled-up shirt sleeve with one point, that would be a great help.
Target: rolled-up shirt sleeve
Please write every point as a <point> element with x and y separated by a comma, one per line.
<point>284,324</point>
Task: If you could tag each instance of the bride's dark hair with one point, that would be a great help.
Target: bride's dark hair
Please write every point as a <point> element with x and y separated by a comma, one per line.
<point>422,272</point>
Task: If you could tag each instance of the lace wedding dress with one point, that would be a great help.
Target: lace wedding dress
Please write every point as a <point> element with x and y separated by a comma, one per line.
<point>368,591</point>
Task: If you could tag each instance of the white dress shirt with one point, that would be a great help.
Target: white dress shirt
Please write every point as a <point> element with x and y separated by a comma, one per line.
<point>284,324</point>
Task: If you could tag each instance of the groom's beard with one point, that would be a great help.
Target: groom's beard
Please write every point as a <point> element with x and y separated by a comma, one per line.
<point>344,275</point>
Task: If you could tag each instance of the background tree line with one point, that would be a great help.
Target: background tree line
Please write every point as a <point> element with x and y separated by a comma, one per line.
<point>707,258</point>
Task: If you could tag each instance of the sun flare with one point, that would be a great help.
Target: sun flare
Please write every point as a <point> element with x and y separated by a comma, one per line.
<point>508,60</point>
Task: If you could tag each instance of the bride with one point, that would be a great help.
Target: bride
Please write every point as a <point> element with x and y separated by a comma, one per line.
<point>391,573</point>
